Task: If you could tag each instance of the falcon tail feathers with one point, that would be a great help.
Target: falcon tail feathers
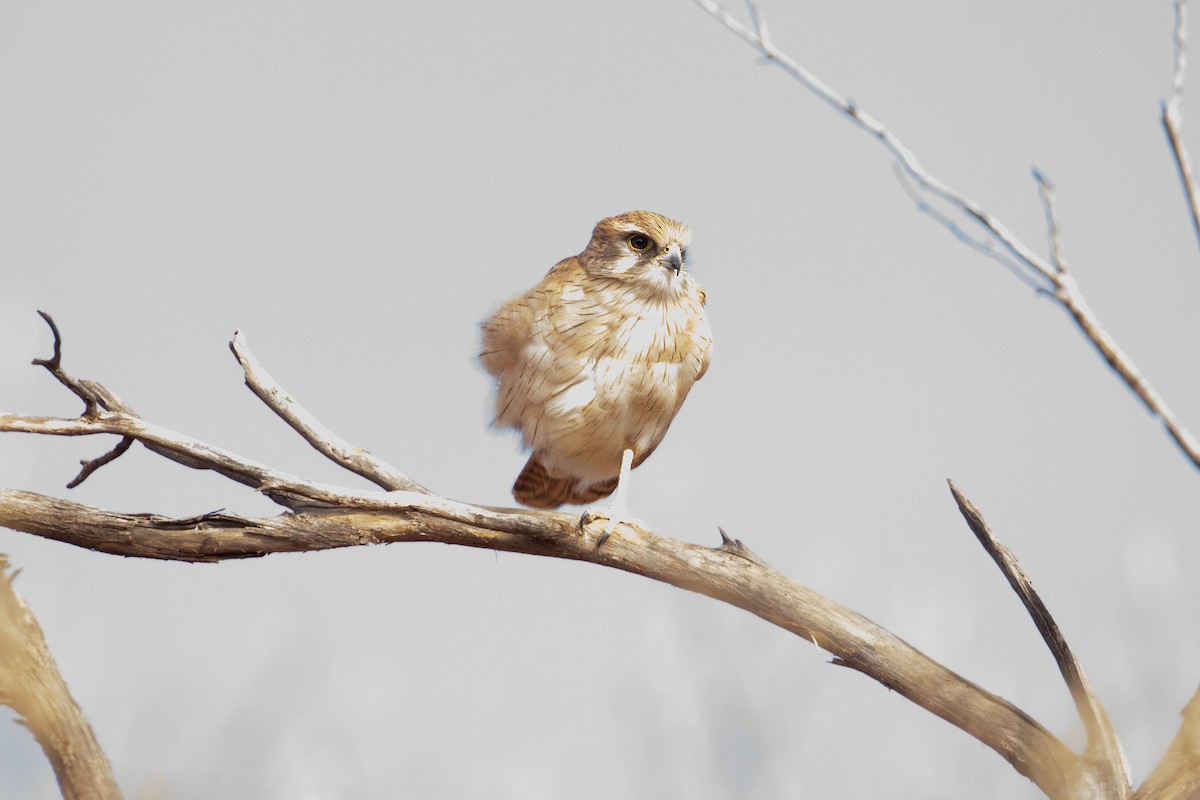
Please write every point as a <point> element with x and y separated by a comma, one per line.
<point>537,488</point>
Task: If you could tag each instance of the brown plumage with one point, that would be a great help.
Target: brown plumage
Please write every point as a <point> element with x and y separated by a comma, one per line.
<point>537,488</point>
<point>598,358</point>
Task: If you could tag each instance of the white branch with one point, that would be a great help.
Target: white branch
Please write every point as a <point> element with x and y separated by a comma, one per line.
<point>337,450</point>
<point>1053,230</point>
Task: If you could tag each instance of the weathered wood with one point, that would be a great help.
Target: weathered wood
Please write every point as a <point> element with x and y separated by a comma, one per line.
<point>31,685</point>
<point>723,573</point>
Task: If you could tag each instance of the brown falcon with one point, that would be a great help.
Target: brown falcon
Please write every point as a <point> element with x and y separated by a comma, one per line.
<point>593,363</point>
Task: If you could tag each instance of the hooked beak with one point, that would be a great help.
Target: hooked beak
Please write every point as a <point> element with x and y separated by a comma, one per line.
<point>672,259</point>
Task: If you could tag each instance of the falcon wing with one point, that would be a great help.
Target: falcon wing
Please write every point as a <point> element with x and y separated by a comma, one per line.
<point>505,334</point>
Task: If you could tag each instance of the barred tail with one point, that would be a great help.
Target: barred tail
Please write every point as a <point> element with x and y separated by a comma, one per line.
<point>537,488</point>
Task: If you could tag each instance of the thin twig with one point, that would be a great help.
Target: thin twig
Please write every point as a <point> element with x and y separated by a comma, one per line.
<point>1058,286</point>
<point>985,246</point>
<point>94,396</point>
<point>91,465</point>
<point>1172,117</point>
<point>1180,50</point>
<point>53,365</point>
<point>324,440</point>
<point>1046,190</point>
<point>1103,748</point>
<point>760,22</point>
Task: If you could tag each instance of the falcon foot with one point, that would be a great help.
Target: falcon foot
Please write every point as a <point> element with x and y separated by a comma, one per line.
<point>593,514</point>
<point>614,517</point>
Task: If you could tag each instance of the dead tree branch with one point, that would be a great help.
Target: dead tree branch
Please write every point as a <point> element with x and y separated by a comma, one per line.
<point>1103,748</point>
<point>31,685</point>
<point>323,517</point>
<point>342,453</point>
<point>718,572</point>
<point>1052,280</point>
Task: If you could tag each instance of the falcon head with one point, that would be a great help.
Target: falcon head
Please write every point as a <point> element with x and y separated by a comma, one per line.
<point>644,249</point>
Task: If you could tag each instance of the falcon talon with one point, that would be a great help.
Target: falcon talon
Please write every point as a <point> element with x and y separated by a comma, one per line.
<point>594,362</point>
<point>585,519</point>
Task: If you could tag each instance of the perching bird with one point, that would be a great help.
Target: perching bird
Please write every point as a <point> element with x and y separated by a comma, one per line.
<point>593,363</point>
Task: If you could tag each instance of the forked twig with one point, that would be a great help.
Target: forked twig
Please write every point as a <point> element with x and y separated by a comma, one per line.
<point>94,397</point>
<point>1053,229</point>
<point>53,365</point>
<point>91,465</point>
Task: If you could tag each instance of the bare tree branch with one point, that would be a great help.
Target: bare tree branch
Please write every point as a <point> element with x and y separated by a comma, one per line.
<point>722,573</point>
<point>1053,230</point>
<point>1172,117</point>
<point>329,517</point>
<point>1103,748</point>
<point>340,452</point>
<point>91,465</point>
<point>32,686</point>
<point>1054,283</point>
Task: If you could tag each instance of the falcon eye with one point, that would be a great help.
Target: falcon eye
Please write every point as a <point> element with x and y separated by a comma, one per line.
<point>639,241</point>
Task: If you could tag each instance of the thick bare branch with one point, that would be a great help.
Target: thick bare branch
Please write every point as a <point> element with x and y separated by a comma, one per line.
<point>32,686</point>
<point>1103,748</point>
<point>725,573</point>
<point>331,517</point>
<point>340,452</point>
<point>1054,283</point>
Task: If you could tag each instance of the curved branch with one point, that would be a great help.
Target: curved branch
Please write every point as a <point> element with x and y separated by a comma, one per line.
<point>722,573</point>
<point>330,517</point>
<point>170,444</point>
<point>1103,748</point>
<point>31,685</point>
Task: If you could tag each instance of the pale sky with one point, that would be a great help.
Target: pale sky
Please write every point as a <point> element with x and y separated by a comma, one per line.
<point>355,186</point>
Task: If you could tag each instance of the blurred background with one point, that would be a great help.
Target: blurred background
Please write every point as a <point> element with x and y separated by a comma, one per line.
<point>356,185</point>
